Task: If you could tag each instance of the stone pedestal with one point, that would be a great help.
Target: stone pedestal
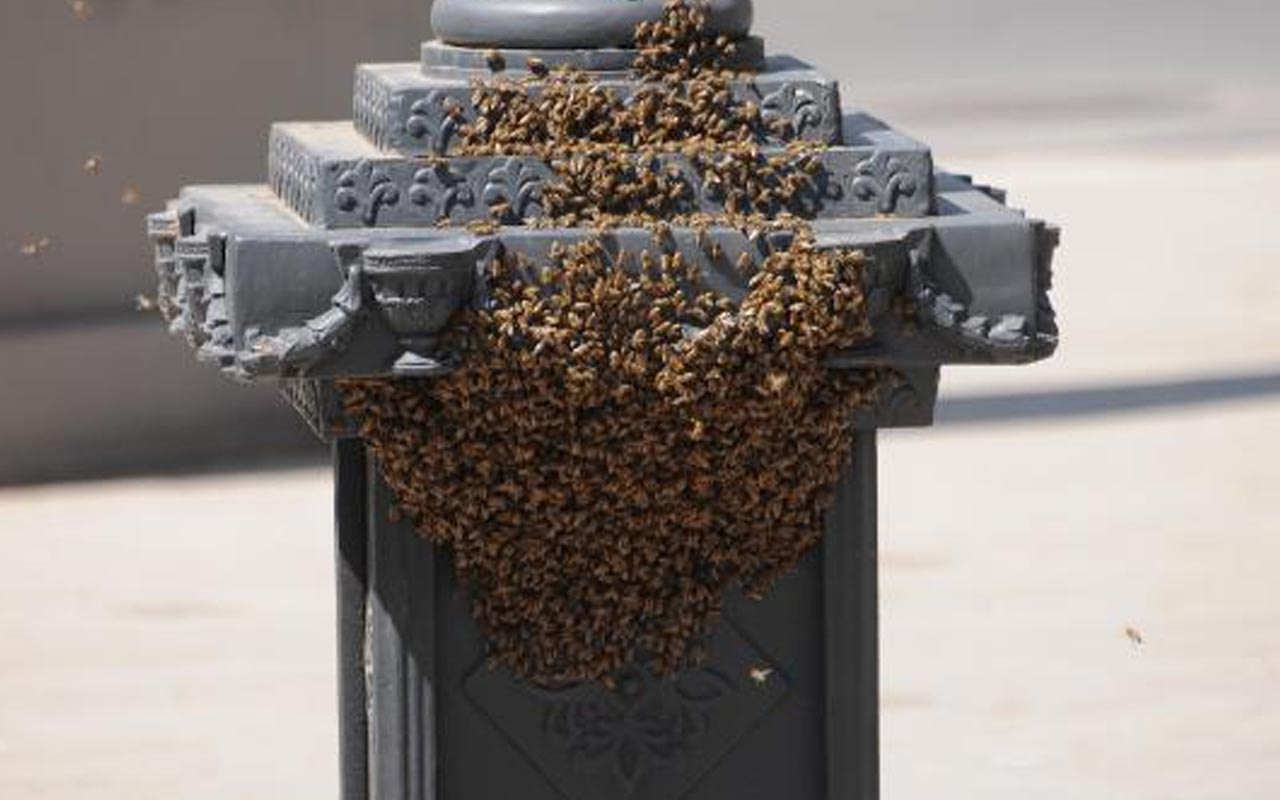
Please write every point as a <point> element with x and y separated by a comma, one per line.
<point>280,282</point>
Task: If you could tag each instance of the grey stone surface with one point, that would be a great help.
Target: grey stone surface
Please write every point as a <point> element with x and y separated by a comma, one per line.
<point>284,282</point>
<point>438,55</point>
<point>550,24</point>
<point>334,178</point>
<point>401,107</point>
<point>977,271</point>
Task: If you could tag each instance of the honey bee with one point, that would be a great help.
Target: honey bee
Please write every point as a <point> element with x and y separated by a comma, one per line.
<point>35,247</point>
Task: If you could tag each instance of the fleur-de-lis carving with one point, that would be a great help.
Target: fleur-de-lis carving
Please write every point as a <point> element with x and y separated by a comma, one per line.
<point>441,189</point>
<point>511,189</point>
<point>794,104</point>
<point>365,189</point>
<point>645,722</point>
<point>884,180</point>
<point>435,119</point>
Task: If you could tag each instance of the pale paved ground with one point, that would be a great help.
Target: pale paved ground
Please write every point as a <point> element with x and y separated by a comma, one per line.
<point>162,639</point>
<point>173,638</point>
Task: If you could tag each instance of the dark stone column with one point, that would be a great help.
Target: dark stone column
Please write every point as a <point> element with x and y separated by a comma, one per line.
<point>351,512</point>
<point>787,703</point>
<point>851,622</point>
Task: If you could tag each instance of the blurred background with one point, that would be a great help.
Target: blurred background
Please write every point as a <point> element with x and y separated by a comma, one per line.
<point>1079,561</point>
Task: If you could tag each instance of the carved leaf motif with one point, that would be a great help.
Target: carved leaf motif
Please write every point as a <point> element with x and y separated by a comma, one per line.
<point>795,104</point>
<point>435,119</point>
<point>441,189</point>
<point>365,189</point>
<point>884,180</point>
<point>511,189</point>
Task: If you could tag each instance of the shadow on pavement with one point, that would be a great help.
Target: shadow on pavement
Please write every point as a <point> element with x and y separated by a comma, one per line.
<point>1105,400</point>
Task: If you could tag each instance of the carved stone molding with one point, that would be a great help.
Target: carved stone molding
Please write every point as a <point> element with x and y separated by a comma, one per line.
<point>1010,338</point>
<point>400,191</point>
<point>364,189</point>
<point>886,181</point>
<point>319,405</point>
<point>647,738</point>
<point>418,114</point>
<point>294,175</point>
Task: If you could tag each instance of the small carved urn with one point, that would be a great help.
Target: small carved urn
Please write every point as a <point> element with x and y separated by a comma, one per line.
<point>349,263</point>
<point>418,289</point>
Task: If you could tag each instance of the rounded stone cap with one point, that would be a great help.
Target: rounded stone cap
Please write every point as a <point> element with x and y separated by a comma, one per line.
<point>566,24</point>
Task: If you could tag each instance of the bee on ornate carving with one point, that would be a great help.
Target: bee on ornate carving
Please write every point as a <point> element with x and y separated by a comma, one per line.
<point>538,67</point>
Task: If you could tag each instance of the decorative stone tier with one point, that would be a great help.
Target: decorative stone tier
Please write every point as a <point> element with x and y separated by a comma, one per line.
<point>263,293</point>
<point>404,108</point>
<point>359,234</point>
<point>335,178</point>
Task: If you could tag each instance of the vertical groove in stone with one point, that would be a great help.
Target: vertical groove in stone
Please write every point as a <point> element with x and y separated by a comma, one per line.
<point>387,739</point>
<point>402,727</point>
<point>351,501</point>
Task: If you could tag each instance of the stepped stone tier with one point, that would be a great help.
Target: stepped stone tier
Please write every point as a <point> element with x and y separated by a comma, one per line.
<point>349,262</point>
<point>271,281</point>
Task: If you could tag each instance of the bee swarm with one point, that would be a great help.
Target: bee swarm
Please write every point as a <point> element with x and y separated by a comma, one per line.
<point>621,444</point>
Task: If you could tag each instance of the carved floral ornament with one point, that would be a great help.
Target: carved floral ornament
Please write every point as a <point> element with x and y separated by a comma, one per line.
<point>365,189</point>
<point>510,189</point>
<point>434,120</point>
<point>645,723</point>
<point>883,179</point>
<point>796,104</point>
<point>441,188</point>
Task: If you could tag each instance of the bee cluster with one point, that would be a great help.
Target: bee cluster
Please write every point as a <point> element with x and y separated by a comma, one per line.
<point>622,444</point>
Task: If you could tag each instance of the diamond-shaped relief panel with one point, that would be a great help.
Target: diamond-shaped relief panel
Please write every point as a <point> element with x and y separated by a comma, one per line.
<point>648,738</point>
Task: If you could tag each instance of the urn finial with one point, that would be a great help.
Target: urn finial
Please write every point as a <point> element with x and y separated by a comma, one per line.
<point>566,24</point>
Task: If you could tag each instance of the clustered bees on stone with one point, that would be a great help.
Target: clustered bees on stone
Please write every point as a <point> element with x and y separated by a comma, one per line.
<point>622,444</point>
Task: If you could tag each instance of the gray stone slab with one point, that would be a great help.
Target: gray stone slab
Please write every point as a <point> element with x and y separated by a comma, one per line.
<point>335,178</point>
<point>550,24</point>
<point>979,274</point>
<point>402,107</point>
<point>977,271</point>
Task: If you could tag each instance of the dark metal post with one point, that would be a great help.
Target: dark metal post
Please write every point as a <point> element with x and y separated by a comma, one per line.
<point>351,501</point>
<point>851,607</point>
